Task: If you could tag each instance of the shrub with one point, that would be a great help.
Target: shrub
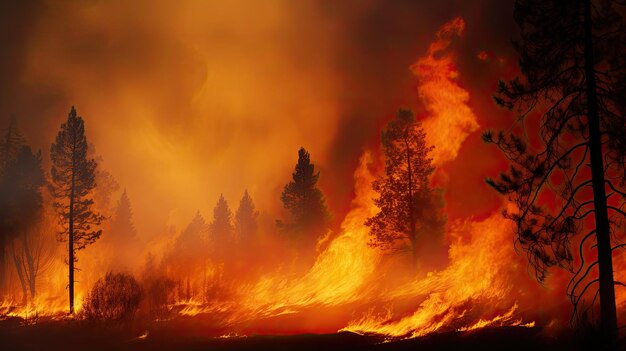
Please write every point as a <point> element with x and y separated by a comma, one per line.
<point>114,298</point>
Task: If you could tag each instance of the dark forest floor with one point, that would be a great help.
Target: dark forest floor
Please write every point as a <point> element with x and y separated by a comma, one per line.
<point>187,334</point>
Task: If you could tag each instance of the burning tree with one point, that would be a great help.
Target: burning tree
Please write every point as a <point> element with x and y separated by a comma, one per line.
<point>572,61</point>
<point>409,208</point>
<point>73,179</point>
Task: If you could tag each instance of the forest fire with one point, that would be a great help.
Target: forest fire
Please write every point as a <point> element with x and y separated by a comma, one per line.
<point>166,212</point>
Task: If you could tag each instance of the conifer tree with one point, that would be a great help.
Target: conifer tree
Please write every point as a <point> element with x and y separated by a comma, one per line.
<point>122,226</point>
<point>73,180</point>
<point>409,208</point>
<point>305,201</point>
<point>246,220</point>
<point>573,68</point>
<point>222,231</point>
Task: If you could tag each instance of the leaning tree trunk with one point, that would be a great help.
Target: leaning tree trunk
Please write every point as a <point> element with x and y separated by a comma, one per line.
<point>608,317</point>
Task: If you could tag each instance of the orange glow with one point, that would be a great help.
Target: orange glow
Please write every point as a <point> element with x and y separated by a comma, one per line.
<point>474,291</point>
<point>216,123</point>
<point>450,120</point>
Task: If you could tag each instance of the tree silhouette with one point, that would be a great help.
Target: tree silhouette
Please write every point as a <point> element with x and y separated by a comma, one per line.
<point>33,251</point>
<point>107,184</point>
<point>245,220</point>
<point>572,64</point>
<point>120,236</point>
<point>189,254</point>
<point>12,141</point>
<point>10,144</point>
<point>73,180</point>
<point>122,226</point>
<point>20,194</point>
<point>222,230</point>
<point>305,203</point>
<point>408,206</point>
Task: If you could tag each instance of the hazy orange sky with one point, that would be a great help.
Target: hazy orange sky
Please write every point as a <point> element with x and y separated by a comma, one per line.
<point>185,100</point>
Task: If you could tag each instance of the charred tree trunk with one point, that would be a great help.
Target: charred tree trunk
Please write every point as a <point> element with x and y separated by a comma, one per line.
<point>412,233</point>
<point>31,267</point>
<point>20,273</point>
<point>608,317</point>
<point>71,248</point>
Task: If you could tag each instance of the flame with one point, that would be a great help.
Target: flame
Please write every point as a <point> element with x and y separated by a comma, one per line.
<point>337,277</point>
<point>476,290</point>
<point>477,284</point>
<point>450,119</point>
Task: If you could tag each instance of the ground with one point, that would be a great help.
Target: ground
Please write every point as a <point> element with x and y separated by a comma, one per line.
<point>189,334</point>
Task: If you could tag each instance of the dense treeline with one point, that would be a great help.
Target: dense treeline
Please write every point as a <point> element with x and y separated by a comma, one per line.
<point>79,203</point>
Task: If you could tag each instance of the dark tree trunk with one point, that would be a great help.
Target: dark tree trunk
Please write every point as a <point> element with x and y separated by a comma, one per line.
<point>30,267</point>
<point>412,233</point>
<point>20,273</point>
<point>608,322</point>
<point>3,264</point>
<point>71,247</point>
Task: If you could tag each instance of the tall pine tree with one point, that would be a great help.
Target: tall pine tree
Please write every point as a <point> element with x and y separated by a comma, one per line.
<point>122,227</point>
<point>222,231</point>
<point>305,201</point>
<point>10,144</point>
<point>20,191</point>
<point>573,68</point>
<point>409,208</point>
<point>73,180</point>
<point>246,220</point>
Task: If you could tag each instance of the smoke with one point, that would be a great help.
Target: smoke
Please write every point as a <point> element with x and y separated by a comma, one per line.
<point>185,101</point>
<point>188,100</point>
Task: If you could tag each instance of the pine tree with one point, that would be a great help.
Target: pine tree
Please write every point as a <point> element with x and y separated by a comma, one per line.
<point>245,220</point>
<point>21,205</point>
<point>12,141</point>
<point>189,255</point>
<point>222,229</point>
<point>73,180</point>
<point>304,200</point>
<point>122,226</point>
<point>107,184</point>
<point>409,208</point>
<point>10,144</point>
<point>573,74</point>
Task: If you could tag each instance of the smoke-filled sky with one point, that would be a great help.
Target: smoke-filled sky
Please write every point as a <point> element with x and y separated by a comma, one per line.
<point>185,100</point>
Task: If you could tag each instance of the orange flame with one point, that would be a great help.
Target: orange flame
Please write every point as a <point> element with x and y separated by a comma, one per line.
<point>470,293</point>
<point>450,119</point>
